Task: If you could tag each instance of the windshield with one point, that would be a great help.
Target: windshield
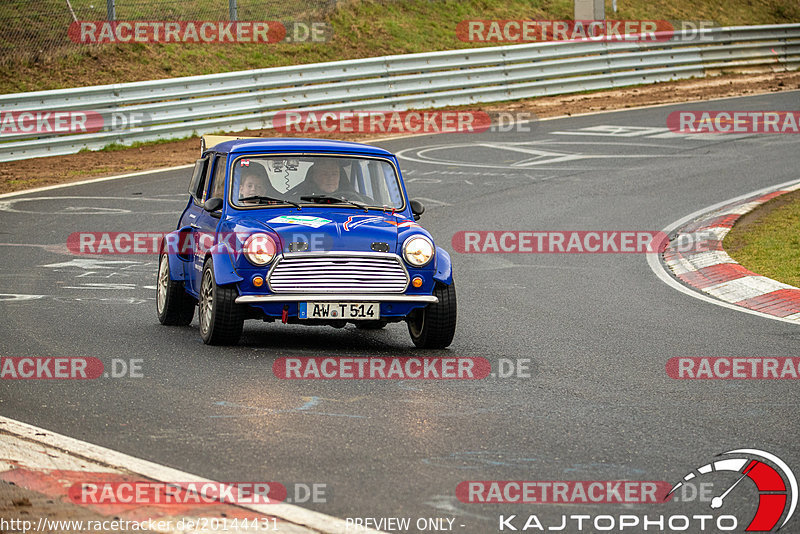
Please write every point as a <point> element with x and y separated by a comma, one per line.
<point>264,181</point>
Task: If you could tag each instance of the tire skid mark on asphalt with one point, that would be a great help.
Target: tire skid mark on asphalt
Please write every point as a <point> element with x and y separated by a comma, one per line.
<point>17,298</point>
<point>260,411</point>
<point>56,248</point>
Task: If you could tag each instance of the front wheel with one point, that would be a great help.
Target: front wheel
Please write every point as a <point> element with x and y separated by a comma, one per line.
<point>174,306</point>
<point>221,319</point>
<point>434,326</point>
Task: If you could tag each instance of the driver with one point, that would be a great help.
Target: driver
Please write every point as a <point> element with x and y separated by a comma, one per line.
<point>325,176</point>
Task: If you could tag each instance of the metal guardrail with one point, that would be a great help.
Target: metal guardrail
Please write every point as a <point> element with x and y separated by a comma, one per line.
<point>248,100</point>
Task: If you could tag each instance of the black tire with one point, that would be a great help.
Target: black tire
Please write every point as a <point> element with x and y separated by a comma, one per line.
<point>434,326</point>
<point>174,306</point>
<point>221,319</point>
<point>370,325</point>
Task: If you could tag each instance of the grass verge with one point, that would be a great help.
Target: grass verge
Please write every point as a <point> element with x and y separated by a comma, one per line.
<point>360,28</point>
<point>767,240</point>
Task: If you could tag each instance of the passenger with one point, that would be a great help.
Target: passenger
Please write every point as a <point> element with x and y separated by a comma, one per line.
<point>255,182</point>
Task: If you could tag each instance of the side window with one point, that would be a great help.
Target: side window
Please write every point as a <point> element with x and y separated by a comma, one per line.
<point>218,184</point>
<point>197,185</point>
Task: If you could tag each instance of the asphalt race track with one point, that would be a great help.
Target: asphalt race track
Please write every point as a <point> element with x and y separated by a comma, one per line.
<point>598,330</point>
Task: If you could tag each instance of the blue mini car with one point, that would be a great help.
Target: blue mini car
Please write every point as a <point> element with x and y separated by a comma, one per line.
<point>303,231</point>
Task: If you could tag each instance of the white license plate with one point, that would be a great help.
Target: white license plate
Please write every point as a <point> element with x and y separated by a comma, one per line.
<point>364,311</point>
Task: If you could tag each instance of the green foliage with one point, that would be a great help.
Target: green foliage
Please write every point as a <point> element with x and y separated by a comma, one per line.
<point>770,246</point>
<point>361,28</point>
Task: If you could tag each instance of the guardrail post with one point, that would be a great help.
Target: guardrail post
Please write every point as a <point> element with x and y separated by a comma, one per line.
<point>111,11</point>
<point>233,10</point>
<point>590,10</point>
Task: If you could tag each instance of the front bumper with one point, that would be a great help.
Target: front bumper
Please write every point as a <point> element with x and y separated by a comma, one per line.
<point>306,297</point>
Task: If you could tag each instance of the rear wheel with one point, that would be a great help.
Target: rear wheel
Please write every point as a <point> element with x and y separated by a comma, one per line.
<point>221,319</point>
<point>174,306</point>
<point>434,326</point>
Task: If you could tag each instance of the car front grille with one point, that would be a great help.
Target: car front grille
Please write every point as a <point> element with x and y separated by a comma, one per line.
<point>338,273</point>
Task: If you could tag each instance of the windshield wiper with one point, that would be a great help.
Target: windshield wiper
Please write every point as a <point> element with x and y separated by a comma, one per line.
<point>261,198</point>
<point>315,198</point>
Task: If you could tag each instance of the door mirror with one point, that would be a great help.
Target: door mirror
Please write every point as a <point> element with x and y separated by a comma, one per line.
<point>213,205</point>
<point>417,209</point>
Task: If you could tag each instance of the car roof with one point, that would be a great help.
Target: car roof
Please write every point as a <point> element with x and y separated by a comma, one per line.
<point>295,144</point>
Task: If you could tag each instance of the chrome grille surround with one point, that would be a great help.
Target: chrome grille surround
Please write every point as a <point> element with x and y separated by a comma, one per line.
<point>338,272</point>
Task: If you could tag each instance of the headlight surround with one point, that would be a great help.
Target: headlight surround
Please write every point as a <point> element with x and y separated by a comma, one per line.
<point>259,249</point>
<point>418,250</point>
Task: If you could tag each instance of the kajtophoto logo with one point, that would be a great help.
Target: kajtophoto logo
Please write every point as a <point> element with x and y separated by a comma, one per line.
<point>776,484</point>
<point>773,505</point>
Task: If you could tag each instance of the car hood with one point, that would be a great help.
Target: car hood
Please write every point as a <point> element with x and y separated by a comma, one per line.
<point>333,230</point>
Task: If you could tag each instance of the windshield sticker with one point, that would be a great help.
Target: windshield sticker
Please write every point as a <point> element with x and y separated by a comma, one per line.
<point>302,220</point>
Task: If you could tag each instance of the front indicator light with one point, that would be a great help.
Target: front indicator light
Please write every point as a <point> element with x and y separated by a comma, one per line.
<point>416,282</point>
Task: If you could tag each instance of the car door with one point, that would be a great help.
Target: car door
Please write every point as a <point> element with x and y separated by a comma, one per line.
<point>204,225</point>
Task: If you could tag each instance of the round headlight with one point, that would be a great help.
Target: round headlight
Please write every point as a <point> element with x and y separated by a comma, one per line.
<point>259,249</point>
<point>418,250</point>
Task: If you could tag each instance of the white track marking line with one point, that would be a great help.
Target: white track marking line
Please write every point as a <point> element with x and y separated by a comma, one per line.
<point>658,268</point>
<point>391,138</point>
<point>94,181</point>
<point>293,514</point>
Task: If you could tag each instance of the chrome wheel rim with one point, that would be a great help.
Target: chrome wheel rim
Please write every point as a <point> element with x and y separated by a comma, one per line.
<point>163,282</point>
<point>206,301</point>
